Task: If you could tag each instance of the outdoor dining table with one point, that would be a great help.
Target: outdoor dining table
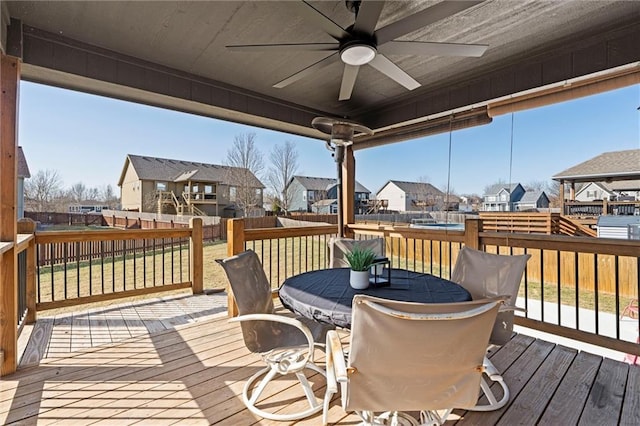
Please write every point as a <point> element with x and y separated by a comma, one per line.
<point>326,296</point>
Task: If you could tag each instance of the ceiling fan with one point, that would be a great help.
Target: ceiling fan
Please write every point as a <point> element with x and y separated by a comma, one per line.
<point>361,44</point>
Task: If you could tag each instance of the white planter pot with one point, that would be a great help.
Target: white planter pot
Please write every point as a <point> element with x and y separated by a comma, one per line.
<point>359,279</point>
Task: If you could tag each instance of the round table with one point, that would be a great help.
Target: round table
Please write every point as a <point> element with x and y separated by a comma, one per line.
<point>325,295</point>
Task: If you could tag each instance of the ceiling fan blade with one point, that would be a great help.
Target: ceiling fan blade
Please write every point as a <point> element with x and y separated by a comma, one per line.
<point>391,70</point>
<point>312,14</point>
<point>285,47</point>
<point>368,15</point>
<point>307,71</point>
<point>427,48</point>
<point>348,81</point>
<point>421,19</point>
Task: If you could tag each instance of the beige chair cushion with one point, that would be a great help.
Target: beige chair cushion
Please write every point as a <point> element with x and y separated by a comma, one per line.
<point>404,364</point>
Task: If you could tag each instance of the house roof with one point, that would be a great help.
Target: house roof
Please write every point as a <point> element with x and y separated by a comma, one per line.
<point>414,187</point>
<point>614,165</point>
<point>323,184</point>
<point>23,167</point>
<point>164,169</point>
<point>531,197</point>
<point>494,189</point>
<point>600,185</point>
<point>326,202</point>
<point>618,221</point>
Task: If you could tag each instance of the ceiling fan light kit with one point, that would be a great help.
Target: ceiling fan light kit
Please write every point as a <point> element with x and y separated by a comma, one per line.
<point>358,54</point>
<point>360,43</point>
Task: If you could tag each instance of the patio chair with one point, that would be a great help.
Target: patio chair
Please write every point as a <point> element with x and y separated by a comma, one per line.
<point>489,275</point>
<point>338,247</point>
<point>631,310</point>
<point>409,357</point>
<point>286,344</point>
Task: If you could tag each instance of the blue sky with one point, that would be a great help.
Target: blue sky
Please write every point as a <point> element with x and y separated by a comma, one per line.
<point>86,139</point>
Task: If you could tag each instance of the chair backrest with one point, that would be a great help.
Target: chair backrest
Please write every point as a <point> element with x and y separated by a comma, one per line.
<point>338,247</point>
<point>252,293</point>
<point>489,275</point>
<point>411,356</point>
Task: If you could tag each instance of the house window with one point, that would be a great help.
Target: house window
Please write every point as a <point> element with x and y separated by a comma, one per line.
<point>310,195</point>
<point>591,194</point>
<point>208,189</point>
<point>161,186</point>
<point>194,188</point>
<point>232,193</point>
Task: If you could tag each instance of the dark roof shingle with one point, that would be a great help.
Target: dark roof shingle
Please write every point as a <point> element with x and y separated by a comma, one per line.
<point>164,169</point>
<point>606,165</point>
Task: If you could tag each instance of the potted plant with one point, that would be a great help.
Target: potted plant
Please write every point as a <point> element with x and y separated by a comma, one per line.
<point>360,260</point>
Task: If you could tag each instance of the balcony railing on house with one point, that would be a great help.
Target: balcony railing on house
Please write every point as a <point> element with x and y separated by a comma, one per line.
<point>575,287</point>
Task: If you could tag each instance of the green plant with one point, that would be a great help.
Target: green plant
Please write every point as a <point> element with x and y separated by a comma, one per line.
<point>360,259</point>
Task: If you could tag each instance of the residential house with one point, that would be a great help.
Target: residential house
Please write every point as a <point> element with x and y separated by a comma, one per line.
<point>628,190</point>
<point>328,206</point>
<point>23,173</point>
<point>502,197</point>
<point>470,203</point>
<point>415,196</point>
<point>532,200</point>
<point>151,184</point>
<point>306,191</point>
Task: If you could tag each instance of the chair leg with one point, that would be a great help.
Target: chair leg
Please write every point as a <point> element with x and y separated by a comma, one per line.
<point>251,398</point>
<point>493,404</point>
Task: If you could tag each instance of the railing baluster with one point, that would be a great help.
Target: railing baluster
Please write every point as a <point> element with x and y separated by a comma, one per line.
<point>78,268</point>
<point>617,286</point>
<point>113,266</point>
<point>597,298</point>
<point>90,245</point>
<point>542,285</point>
<point>576,264</point>
<point>65,260</point>
<point>124,265</point>
<point>559,287</point>
<point>526,288</point>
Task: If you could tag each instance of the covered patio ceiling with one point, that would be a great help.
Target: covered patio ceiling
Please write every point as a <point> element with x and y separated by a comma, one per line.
<point>174,54</point>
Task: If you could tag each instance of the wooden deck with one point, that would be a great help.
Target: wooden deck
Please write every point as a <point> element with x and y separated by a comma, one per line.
<point>193,373</point>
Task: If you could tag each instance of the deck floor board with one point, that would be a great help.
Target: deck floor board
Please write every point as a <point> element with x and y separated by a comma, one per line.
<point>179,361</point>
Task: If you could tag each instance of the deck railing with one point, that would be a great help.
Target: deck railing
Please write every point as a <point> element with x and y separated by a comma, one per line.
<point>574,287</point>
<point>75,267</point>
<point>597,208</point>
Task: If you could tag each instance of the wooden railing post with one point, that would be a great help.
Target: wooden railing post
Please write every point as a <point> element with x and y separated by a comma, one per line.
<point>235,245</point>
<point>472,228</point>
<point>195,247</point>
<point>28,226</point>
<point>9,87</point>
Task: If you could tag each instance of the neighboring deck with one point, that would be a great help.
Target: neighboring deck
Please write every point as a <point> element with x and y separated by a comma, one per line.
<point>193,373</point>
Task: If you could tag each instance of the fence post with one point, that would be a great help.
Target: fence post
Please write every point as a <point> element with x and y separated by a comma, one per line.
<point>195,247</point>
<point>235,245</point>
<point>472,229</point>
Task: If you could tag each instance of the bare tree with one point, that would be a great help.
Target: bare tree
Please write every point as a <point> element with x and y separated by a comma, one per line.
<point>425,195</point>
<point>246,163</point>
<point>108,196</point>
<point>42,189</point>
<point>498,182</point>
<point>551,188</point>
<point>284,165</point>
<point>78,192</point>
